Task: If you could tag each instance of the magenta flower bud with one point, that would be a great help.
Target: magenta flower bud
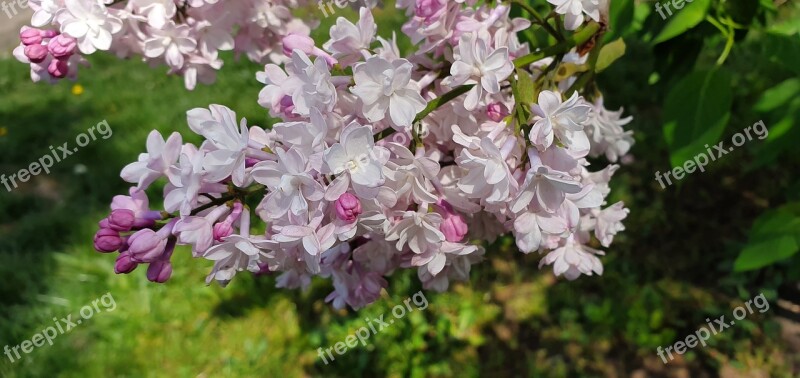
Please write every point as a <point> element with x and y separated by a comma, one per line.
<point>225,228</point>
<point>454,228</point>
<point>496,111</point>
<point>107,240</point>
<point>121,220</point>
<point>348,207</point>
<point>222,230</point>
<point>62,46</point>
<point>58,68</point>
<point>36,53</point>
<point>250,162</point>
<point>146,245</point>
<point>104,223</point>
<point>287,107</point>
<point>159,271</point>
<point>124,264</point>
<point>30,36</point>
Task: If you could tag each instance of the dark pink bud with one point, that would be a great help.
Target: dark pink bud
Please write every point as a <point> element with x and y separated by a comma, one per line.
<point>61,46</point>
<point>30,36</point>
<point>496,111</point>
<point>263,268</point>
<point>124,264</point>
<point>159,271</point>
<point>250,162</point>
<point>104,223</point>
<point>36,53</point>
<point>348,207</point>
<point>454,228</point>
<point>107,240</point>
<point>222,230</point>
<point>58,68</point>
<point>121,220</point>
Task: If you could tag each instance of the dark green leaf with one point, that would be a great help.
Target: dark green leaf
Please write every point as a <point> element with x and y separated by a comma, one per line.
<point>775,236</point>
<point>778,95</point>
<point>695,113</point>
<point>682,19</point>
<point>621,17</point>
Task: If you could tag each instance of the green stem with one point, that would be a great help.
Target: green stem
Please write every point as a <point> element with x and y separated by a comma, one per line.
<point>580,82</point>
<point>539,19</point>
<point>579,38</point>
<point>728,46</point>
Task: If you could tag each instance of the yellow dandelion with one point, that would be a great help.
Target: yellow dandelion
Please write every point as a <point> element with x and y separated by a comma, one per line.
<point>77,89</point>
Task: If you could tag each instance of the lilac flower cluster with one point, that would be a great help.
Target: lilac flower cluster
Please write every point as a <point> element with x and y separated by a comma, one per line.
<point>186,35</point>
<point>382,162</point>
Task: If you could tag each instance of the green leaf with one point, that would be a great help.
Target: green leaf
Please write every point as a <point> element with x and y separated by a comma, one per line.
<point>768,5</point>
<point>783,50</point>
<point>783,136</point>
<point>696,112</point>
<point>621,17</point>
<point>609,53</point>
<point>778,95</point>
<point>775,236</point>
<point>524,88</point>
<point>682,19</point>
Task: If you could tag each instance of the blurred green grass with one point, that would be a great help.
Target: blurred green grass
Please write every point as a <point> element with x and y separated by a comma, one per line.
<point>664,275</point>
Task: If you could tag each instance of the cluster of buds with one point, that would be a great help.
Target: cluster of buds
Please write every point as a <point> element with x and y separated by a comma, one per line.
<point>185,35</point>
<point>50,53</point>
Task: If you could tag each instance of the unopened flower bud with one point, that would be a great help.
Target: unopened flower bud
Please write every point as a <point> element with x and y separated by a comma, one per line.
<point>124,264</point>
<point>30,36</point>
<point>58,68</point>
<point>146,245</point>
<point>496,111</point>
<point>36,53</point>
<point>305,44</point>
<point>121,220</point>
<point>287,107</point>
<point>427,8</point>
<point>454,228</point>
<point>222,230</point>
<point>159,271</point>
<point>348,207</point>
<point>107,240</point>
<point>300,42</point>
<point>62,46</point>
